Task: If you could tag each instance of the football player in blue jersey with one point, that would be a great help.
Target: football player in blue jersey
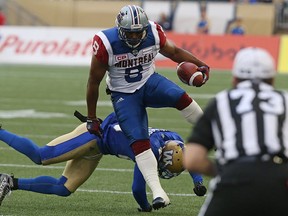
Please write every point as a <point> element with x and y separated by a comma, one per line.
<point>127,53</point>
<point>83,151</point>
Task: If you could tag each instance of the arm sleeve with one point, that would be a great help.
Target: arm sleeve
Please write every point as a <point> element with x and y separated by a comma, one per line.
<point>162,35</point>
<point>139,188</point>
<point>99,50</point>
<point>196,177</point>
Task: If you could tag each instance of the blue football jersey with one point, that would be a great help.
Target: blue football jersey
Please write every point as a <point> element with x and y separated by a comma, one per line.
<point>116,143</point>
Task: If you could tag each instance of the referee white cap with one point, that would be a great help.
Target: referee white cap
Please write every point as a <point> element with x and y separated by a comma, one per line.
<point>253,63</point>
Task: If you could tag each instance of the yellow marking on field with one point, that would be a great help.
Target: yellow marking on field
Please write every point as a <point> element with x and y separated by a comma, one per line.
<point>283,55</point>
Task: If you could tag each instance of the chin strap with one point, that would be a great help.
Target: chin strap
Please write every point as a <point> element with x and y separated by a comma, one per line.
<point>83,118</point>
<point>79,116</point>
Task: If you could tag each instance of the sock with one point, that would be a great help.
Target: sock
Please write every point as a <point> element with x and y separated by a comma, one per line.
<point>44,185</point>
<point>196,178</point>
<point>15,184</point>
<point>184,101</point>
<point>192,112</point>
<point>147,164</point>
<point>22,145</point>
<point>140,146</point>
<point>139,188</point>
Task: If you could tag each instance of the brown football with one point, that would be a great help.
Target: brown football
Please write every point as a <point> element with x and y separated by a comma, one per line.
<point>188,73</point>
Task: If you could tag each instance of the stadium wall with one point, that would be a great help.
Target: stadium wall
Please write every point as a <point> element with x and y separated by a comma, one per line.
<point>84,13</point>
<point>72,46</point>
<point>259,19</point>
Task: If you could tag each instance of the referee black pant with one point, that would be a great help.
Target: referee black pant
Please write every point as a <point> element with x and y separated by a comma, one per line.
<point>248,189</point>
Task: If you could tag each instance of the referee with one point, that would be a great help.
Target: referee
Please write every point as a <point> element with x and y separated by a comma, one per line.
<point>248,127</point>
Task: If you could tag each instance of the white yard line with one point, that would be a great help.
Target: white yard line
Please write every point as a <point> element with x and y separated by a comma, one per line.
<point>104,103</point>
<point>59,167</point>
<point>91,190</point>
<point>125,192</point>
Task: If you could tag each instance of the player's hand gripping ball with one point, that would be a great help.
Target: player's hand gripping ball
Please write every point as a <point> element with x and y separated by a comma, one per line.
<point>189,74</point>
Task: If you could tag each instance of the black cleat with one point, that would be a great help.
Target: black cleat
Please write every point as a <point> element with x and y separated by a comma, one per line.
<point>158,203</point>
<point>148,209</point>
<point>199,189</point>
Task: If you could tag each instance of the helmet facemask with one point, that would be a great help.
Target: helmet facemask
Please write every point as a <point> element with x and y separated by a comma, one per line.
<point>165,173</point>
<point>132,23</point>
<point>132,41</point>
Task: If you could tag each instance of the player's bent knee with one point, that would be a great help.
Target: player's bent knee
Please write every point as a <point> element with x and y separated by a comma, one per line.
<point>61,189</point>
<point>183,102</point>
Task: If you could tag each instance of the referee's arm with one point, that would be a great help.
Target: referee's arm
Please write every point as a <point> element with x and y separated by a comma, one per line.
<point>196,160</point>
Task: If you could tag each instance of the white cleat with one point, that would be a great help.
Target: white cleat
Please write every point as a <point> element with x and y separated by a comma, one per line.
<point>161,202</point>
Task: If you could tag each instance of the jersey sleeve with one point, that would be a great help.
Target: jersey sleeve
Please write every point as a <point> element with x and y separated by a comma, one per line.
<point>99,50</point>
<point>162,35</point>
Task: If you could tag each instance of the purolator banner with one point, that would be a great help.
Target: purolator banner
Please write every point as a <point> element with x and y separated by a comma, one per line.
<point>46,45</point>
<point>219,50</point>
<point>72,46</point>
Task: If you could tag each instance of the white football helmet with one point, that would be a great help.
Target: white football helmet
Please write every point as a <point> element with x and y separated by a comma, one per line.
<point>171,162</point>
<point>132,19</point>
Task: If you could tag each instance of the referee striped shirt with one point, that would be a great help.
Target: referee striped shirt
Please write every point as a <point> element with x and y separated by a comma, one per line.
<point>248,120</point>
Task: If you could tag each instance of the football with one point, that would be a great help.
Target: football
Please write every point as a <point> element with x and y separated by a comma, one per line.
<point>188,73</point>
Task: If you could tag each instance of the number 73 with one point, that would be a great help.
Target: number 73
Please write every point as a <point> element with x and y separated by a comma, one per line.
<point>269,101</point>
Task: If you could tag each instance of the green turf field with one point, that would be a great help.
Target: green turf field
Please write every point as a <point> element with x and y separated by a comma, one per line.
<point>40,102</point>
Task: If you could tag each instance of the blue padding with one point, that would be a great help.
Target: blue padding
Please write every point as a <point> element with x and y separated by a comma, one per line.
<point>49,152</point>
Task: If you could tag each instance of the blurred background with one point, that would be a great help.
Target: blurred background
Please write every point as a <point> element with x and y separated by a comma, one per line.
<point>45,52</point>
<point>207,26</point>
<point>260,17</point>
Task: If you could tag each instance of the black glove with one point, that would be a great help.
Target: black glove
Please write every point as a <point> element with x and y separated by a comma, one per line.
<point>199,189</point>
<point>93,126</point>
<point>205,70</point>
<point>148,209</point>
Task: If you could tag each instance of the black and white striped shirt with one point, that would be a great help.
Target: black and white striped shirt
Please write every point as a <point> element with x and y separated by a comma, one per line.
<point>251,119</point>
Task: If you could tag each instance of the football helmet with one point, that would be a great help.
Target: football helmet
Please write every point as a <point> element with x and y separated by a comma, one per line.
<point>132,23</point>
<point>171,162</point>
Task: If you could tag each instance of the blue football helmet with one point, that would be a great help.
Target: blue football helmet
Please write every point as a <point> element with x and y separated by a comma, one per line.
<point>171,163</point>
<point>132,23</point>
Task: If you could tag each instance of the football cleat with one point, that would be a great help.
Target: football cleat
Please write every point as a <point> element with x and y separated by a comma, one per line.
<point>6,184</point>
<point>159,202</point>
<point>148,209</point>
<point>199,189</point>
